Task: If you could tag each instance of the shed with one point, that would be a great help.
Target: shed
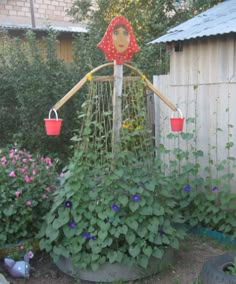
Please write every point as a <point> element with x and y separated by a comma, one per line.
<point>202,83</point>
<point>19,16</point>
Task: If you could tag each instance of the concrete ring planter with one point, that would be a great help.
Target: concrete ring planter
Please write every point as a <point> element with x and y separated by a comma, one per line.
<point>115,272</point>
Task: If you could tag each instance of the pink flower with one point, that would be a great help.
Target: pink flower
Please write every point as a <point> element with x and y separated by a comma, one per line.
<point>48,161</point>
<point>12,154</point>
<point>44,196</point>
<point>35,171</point>
<point>12,174</point>
<point>30,254</point>
<point>28,203</point>
<point>13,162</point>
<point>62,174</point>
<point>47,189</point>
<point>17,193</point>
<point>3,160</point>
<point>24,160</point>
<point>27,179</point>
<point>53,186</point>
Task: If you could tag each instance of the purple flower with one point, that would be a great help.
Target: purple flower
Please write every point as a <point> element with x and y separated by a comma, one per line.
<point>187,188</point>
<point>86,235</point>
<point>115,207</point>
<point>161,231</point>
<point>68,204</point>
<point>136,197</point>
<point>215,188</point>
<point>72,224</point>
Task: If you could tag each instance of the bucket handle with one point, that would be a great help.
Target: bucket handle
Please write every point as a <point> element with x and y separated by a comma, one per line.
<point>180,113</point>
<point>49,115</point>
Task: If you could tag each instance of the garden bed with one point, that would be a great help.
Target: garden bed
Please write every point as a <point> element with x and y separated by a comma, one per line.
<point>189,260</point>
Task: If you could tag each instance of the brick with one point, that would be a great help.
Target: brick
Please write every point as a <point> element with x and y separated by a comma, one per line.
<point>58,8</point>
<point>20,13</point>
<point>20,4</point>
<point>12,13</point>
<point>8,7</point>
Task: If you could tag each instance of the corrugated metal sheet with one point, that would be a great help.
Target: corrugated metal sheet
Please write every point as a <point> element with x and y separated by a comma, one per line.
<point>219,20</point>
<point>68,29</point>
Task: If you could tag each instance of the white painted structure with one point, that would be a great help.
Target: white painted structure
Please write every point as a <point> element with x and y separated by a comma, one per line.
<point>202,83</point>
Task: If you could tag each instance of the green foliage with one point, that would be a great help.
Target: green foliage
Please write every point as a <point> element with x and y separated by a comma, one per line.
<point>27,183</point>
<point>19,250</point>
<point>32,80</point>
<point>207,199</point>
<point>121,211</point>
<point>123,203</point>
<point>231,269</point>
<point>115,203</point>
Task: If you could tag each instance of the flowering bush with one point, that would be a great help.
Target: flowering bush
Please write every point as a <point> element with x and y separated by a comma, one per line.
<point>125,212</point>
<point>115,205</point>
<point>27,183</point>
<point>125,204</point>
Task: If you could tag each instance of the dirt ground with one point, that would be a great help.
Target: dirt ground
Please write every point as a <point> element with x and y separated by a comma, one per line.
<point>188,263</point>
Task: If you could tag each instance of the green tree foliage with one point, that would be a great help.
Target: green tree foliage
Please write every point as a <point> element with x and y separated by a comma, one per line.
<point>149,18</point>
<point>31,82</point>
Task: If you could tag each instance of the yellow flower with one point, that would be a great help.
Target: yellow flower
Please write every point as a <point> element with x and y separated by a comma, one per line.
<point>89,76</point>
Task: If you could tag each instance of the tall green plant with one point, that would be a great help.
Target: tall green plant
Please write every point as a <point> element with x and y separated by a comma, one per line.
<point>115,203</point>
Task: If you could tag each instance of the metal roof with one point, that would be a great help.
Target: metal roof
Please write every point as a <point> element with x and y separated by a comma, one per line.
<point>68,29</point>
<point>218,20</point>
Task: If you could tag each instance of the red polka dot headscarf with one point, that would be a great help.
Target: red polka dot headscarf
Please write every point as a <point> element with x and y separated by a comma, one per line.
<point>106,44</point>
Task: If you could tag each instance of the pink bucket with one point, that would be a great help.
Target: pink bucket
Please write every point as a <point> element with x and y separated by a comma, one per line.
<point>53,125</point>
<point>177,123</point>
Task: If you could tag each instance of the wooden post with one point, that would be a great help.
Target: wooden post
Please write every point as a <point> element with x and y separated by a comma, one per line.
<point>116,102</point>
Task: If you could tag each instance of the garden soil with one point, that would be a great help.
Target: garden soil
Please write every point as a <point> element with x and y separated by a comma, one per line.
<point>188,263</point>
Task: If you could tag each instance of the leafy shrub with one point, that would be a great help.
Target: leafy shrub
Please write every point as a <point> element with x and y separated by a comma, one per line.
<point>27,183</point>
<point>122,212</point>
<point>115,203</point>
<point>31,82</point>
<point>204,200</point>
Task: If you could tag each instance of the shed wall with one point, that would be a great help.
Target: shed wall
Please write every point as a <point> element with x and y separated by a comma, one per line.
<point>202,84</point>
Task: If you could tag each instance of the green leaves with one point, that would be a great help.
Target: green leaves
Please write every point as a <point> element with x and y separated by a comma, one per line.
<point>132,223</point>
<point>123,200</point>
<point>9,211</point>
<point>130,237</point>
<point>134,250</point>
<point>115,256</point>
<point>102,235</point>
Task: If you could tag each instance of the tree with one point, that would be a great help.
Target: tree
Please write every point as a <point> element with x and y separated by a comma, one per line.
<point>149,19</point>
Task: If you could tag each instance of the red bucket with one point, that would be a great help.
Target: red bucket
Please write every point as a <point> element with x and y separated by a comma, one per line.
<point>177,123</point>
<point>53,125</point>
